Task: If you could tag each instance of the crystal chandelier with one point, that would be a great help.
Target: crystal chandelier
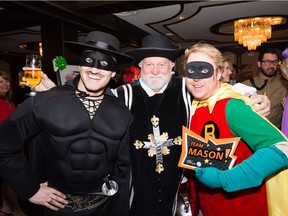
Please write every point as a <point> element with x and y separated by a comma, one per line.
<point>251,32</point>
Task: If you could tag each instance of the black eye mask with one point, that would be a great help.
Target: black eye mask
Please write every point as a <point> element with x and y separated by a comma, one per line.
<point>199,70</point>
<point>97,60</point>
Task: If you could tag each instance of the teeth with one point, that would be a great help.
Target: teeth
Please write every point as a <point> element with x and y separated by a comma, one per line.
<point>94,77</point>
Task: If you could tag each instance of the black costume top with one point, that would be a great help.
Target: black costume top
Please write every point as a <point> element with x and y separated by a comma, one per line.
<point>79,151</point>
<point>156,146</point>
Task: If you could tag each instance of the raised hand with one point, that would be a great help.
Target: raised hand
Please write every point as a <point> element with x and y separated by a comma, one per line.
<point>45,83</point>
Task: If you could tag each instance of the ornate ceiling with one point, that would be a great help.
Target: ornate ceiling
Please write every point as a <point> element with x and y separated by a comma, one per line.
<point>185,22</point>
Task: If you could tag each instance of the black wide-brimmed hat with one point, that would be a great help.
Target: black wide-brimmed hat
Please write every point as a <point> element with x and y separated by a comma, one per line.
<point>104,43</point>
<point>155,46</point>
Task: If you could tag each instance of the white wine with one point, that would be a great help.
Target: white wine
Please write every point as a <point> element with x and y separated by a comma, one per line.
<point>32,76</point>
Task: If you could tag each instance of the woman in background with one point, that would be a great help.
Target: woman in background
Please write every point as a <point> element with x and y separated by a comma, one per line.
<point>6,104</point>
<point>227,71</point>
<point>9,199</point>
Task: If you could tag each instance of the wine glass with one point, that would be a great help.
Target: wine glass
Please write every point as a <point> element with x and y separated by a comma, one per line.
<point>32,71</point>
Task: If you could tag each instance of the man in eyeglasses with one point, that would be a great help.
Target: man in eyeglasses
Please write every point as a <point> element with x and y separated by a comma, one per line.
<point>267,83</point>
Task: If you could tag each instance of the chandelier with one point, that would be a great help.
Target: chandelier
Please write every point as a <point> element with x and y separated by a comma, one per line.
<point>251,32</point>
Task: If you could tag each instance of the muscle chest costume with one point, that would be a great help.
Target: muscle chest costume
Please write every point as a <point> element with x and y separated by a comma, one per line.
<point>156,146</point>
<point>79,151</point>
<point>230,117</point>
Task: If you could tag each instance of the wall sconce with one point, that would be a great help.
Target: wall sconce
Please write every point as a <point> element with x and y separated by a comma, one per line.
<point>33,46</point>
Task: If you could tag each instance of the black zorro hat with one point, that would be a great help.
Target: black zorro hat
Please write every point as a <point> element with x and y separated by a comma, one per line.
<point>155,46</point>
<point>102,42</point>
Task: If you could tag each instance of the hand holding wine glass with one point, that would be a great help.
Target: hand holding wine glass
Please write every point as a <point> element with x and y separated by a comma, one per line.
<point>32,71</point>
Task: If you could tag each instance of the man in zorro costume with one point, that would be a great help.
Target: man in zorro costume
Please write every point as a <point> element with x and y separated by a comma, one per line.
<point>219,112</point>
<point>84,131</point>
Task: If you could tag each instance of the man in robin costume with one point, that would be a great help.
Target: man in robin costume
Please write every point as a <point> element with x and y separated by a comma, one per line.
<point>84,131</point>
<point>218,112</point>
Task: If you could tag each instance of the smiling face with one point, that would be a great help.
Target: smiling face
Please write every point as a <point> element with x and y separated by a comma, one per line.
<point>4,86</point>
<point>268,65</point>
<point>156,72</point>
<point>203,86</point>
<point>95,72</point>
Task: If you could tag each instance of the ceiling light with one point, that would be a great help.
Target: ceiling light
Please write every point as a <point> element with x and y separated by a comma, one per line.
<point>252,32</point>
<point>126,13</point>
<point>33,46</point>
<point>181,17</point>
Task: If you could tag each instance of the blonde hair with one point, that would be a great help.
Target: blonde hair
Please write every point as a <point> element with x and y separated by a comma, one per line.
<point>208,50</point>
<point>229,61</point>
<point>284,68</point>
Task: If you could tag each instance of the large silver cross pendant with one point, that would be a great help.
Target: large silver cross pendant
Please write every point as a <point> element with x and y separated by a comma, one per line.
<point>158,144</point>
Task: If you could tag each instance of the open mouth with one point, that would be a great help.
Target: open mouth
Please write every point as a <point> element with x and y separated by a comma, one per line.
<point>94,76</point>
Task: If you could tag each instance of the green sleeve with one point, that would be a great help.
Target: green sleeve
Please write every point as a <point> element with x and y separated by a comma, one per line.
<point>254,129</point>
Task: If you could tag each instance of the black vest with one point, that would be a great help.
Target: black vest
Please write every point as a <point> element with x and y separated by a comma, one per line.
<point>155,185</point>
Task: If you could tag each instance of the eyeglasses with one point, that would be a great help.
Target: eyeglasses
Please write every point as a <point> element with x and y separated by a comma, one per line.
<point>268,62</point>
